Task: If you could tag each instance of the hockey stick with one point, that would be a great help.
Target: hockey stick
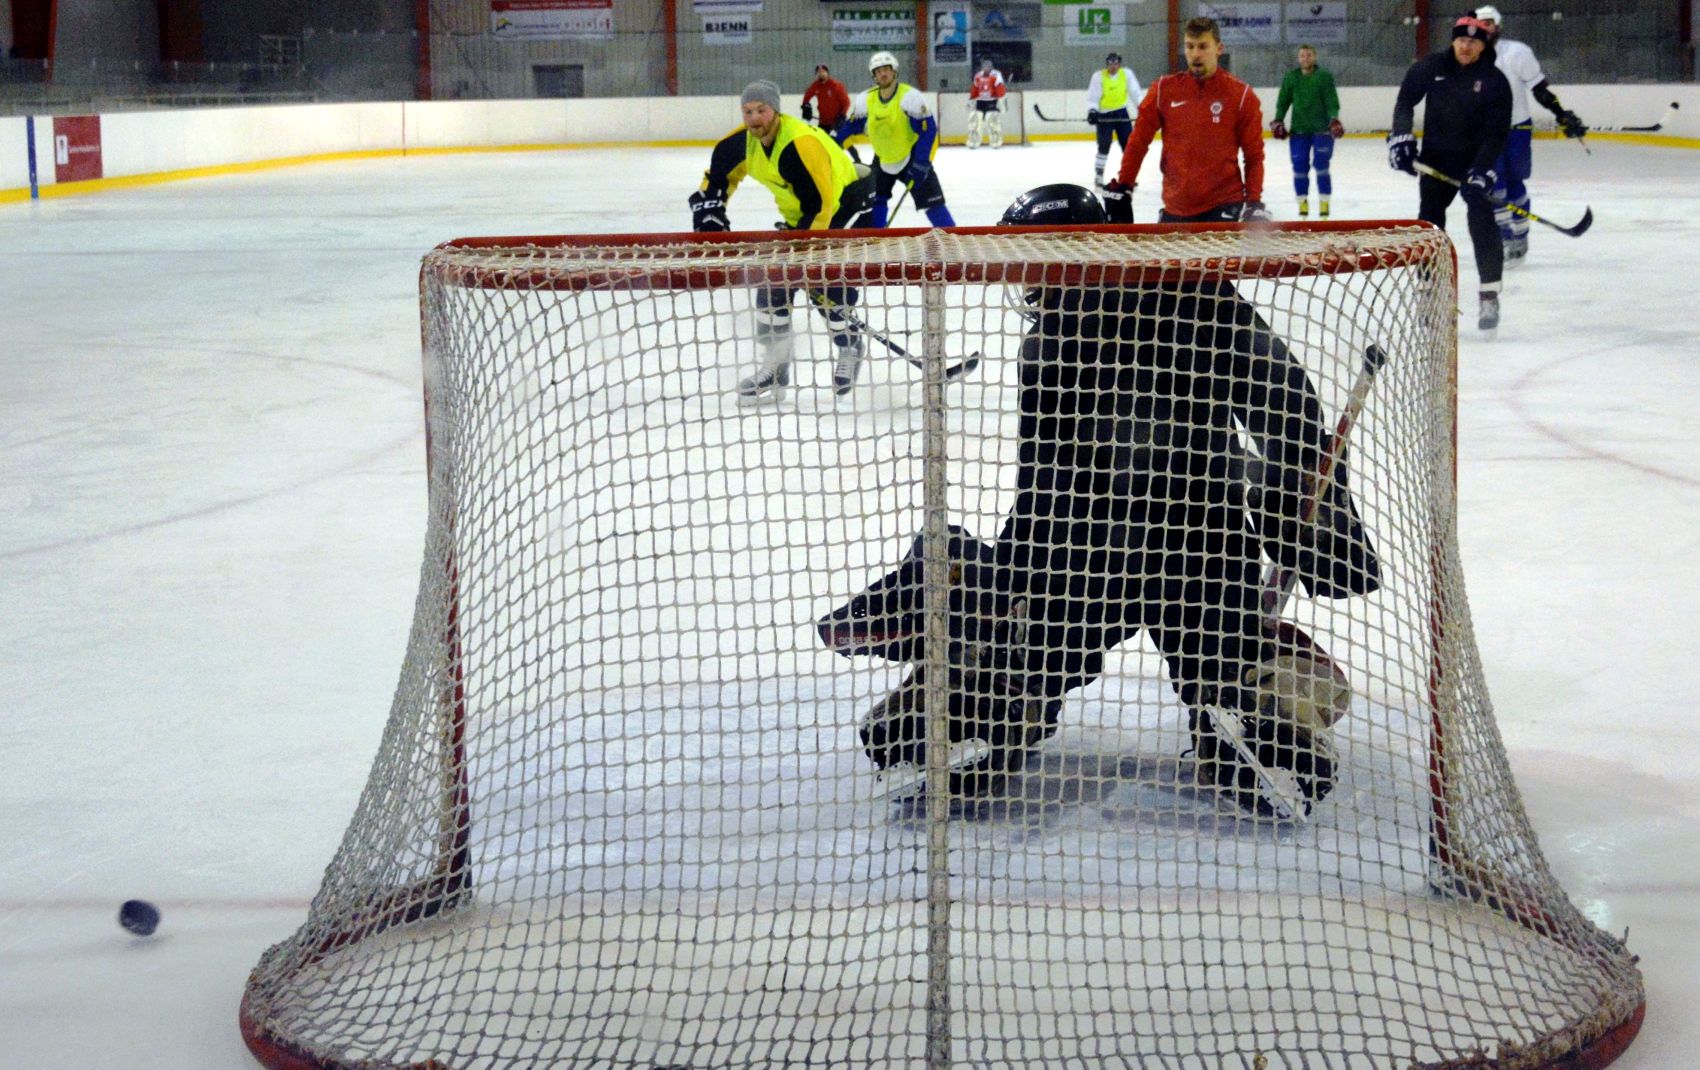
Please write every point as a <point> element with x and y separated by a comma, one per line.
<point>1278,587</point>
<point>1278,582</point>
<point>952,372</point>
<point>1670,113</point>
<point>1046,118</point>
<point>1576,231</point>
<point>901,197</point>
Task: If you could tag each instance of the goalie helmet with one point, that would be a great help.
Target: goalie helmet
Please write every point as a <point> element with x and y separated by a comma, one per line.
<point>881,59</point>
<point>1055,204</point>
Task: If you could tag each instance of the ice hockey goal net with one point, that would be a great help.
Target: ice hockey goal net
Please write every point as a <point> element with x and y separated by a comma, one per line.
<point>953,118</point>
<point>622,815</point>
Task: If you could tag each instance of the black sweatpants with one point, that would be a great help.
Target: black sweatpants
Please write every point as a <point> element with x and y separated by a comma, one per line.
<point>1484,231</point>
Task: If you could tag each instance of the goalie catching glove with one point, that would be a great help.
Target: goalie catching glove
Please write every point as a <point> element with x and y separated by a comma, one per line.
<point>708,212</point>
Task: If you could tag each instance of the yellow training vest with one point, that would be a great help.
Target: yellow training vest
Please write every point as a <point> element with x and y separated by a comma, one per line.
<point>1115,90</point>
<point>888,126</point>
<point>830,166</point>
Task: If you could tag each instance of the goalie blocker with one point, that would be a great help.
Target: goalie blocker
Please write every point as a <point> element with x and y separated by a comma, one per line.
<point>1136,509</point>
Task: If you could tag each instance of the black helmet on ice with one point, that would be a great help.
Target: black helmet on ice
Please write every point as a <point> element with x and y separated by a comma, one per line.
<point>1055,204</point>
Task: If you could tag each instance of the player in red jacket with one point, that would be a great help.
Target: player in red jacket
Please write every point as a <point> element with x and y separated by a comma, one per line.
<point>1209,119</point>
<point>826,99</point>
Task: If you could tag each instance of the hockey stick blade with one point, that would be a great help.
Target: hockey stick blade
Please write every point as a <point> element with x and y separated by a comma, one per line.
<point>1670,113</point>
<point>953,370</point>
<point>1576,231</point>
<point>1046,118</point>
<point>1280,787</point>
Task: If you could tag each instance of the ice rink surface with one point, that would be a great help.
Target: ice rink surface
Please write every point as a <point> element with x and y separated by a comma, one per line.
<point>212,501</point>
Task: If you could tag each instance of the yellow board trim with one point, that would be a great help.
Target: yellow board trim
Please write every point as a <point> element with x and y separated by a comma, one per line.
<point>154,178</point>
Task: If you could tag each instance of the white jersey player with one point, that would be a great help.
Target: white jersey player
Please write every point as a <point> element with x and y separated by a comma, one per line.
<point>1517,62</point>
<point>986,105</point>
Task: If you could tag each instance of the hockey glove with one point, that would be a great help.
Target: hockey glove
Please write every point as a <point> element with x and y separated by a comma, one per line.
<point>917,171</point>
<point>1255,212</point>
<point>1572,124</point>
<point>708,212</point>
<point>808,111</point>
<point>1118,202</point>
<point>1478,185</point>
<point>1278,130</point>
<point>1336,129</point>
<point>971,105</point>
<point>1402,153</point>
<point>1092,116</point>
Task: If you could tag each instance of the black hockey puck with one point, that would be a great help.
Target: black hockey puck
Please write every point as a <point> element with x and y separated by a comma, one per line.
<point>138,916</point>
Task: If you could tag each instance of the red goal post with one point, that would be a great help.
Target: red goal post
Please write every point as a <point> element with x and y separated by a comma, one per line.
<point>571,388</point>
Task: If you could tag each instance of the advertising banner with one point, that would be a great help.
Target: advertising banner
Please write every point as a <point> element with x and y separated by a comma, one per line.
<point>949,38</point>
<point>560,20</point>
<point>76,148</point>
<point>871,29</point>
<point>1316,24</point>
<point>727,30</point>
<point>1095,24</point>
<point>1245,24</point>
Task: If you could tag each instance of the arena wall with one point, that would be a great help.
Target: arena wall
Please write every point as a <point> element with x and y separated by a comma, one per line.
<point>154,146</point>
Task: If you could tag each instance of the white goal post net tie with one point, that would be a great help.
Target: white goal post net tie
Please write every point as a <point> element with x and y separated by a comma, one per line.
<point>1113,704</point>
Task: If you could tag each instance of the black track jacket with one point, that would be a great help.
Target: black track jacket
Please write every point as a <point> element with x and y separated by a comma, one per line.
<point>1469,111</point>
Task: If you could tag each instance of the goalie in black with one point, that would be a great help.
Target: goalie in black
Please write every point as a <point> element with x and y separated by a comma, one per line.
<point>1137,507</point>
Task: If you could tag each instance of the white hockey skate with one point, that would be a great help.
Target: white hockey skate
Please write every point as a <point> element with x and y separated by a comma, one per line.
<point>847,366</point>
<point>768,386</point>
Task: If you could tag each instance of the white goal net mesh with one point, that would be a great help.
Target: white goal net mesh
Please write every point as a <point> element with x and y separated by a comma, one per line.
<point>655,790</point>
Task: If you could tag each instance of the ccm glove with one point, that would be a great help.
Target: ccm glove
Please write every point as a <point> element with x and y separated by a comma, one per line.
<point>708,212</point>
<point>1336,129</point>
<point>1402,153</point>
<point>1572,124</point>
<point>1279,130</point>
<point>1118,202</point>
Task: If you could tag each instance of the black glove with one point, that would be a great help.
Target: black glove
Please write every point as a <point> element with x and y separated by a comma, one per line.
<point>808,111</point>
<point>917,171</point>
<point>1402,153</point>
<point>708,211</point>
<point>1278,130</point>
<point>1118,202</point>
<point>1254,212</point>
<point>1478,185</point>
<point>1092,116</point>
<point>1572,124</point>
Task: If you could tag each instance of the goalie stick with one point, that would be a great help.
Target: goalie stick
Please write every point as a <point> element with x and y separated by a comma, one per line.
<point>1278,584</point>
<point>1576,231</point>
<point>1046,118</point>
<point>952,371</point>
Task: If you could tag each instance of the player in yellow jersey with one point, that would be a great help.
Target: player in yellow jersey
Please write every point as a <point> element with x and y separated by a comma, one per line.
<point>817,187</point>
<point>905,136</point>
<point>1107,97</point>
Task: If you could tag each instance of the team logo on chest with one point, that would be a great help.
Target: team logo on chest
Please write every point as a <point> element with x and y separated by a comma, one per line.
<point>1215,111</point>
<point>1478,87</point>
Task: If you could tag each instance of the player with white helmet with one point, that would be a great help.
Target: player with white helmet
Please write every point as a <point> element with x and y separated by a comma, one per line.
<point>986,104</point>
<point>905,137</point>
<point>1517,62</point>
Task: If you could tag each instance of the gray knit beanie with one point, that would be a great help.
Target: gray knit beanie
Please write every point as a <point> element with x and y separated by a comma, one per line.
<point>763,91</point>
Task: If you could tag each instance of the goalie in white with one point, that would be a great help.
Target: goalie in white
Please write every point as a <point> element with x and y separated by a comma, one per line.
<point>987,101</point>
<point>1137,508</point>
